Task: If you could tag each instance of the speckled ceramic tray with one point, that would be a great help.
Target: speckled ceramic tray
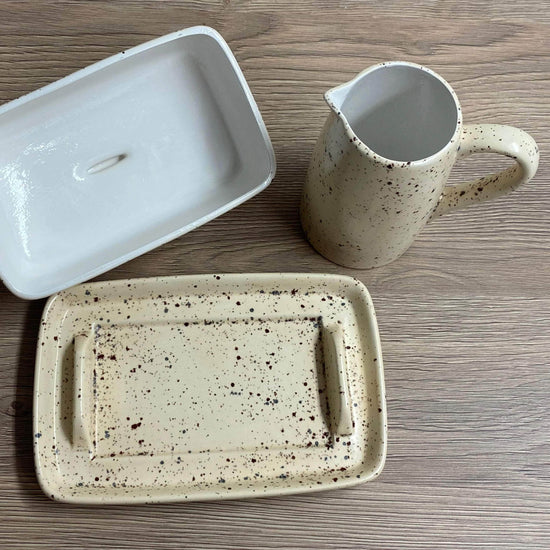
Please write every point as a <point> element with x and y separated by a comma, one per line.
<point>206,387</point>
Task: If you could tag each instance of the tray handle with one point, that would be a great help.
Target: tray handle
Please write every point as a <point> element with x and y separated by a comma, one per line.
<point>339,401</point>
<point>81,434</point>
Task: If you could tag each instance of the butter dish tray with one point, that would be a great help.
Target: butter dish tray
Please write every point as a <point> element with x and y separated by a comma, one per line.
<point>123,156</point>
<point>208,387</point>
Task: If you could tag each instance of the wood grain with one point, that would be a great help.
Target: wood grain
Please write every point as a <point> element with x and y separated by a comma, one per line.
<point>463,315</point>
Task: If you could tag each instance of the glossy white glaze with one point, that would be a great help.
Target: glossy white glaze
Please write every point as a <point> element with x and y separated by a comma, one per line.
<point>123,156</point>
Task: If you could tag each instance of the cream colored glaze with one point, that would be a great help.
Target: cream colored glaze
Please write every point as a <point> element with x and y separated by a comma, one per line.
<point>205,387</point>
<point>362,210</point>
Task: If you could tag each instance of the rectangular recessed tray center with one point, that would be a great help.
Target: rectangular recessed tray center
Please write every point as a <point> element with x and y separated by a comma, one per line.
<point>208,386</point>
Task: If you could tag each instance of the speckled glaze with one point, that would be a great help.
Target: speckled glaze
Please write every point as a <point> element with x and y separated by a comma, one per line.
<point>206,387</point>
<point>362,210</point>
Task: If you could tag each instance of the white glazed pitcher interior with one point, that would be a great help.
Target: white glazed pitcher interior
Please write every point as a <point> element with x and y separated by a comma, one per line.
<point>402,112</point>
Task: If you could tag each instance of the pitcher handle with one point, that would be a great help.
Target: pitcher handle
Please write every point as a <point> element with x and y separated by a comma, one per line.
<point>491,138</point>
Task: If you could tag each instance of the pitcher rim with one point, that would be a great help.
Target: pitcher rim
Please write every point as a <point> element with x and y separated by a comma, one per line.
<point>363,147</point>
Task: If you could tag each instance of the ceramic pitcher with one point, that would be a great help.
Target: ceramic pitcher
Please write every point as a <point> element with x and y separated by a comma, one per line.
<point>379,170</point>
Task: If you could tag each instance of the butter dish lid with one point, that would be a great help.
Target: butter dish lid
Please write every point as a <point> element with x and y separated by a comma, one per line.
<point>123,156</point>
<point>207,387</point>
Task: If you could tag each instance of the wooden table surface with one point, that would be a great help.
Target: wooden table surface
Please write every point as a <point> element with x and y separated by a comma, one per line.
<point>464,315</point>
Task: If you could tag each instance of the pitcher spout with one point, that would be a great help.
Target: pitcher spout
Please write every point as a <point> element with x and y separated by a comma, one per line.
<point>336,97</point>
